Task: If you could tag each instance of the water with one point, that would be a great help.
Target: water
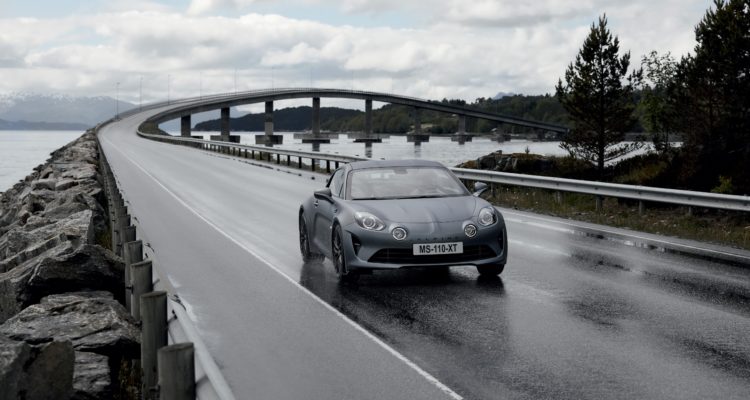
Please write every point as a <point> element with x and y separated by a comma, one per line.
<point>21,151</point>
<point>439,148</point>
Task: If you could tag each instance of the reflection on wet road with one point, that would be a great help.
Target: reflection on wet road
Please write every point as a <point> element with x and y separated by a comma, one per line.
<point>576,318</point>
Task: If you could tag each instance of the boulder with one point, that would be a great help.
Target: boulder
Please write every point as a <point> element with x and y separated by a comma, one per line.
<point>92,321</point>
<point>76,227</point>
<point>48,184</point>
<point>91,377</point>
<point>43,371</point>
<point>65,184</point>
<point>61,269</point>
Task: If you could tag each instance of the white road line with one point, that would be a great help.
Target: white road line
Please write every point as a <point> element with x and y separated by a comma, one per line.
<point>445,389</point>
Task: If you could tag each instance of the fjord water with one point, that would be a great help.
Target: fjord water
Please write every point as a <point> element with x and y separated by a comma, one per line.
<point>21,151</point>
<point>439,148</point>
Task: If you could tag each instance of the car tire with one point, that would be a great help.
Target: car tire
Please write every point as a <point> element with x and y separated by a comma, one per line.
<point>304,242</point>
<point>338,255</point>
<point>490,269</point>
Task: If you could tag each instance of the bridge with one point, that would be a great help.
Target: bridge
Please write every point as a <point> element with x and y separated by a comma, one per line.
<point>225,103</point>
<point>582,311</point>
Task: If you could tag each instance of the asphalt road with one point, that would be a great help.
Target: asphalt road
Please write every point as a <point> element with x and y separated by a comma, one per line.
<point>573,316</point>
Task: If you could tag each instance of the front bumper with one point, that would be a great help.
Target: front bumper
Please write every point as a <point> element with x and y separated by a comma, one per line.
<point>379,250</point>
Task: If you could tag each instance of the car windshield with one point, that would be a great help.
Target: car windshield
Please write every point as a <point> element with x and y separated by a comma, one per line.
<point>404,183</point>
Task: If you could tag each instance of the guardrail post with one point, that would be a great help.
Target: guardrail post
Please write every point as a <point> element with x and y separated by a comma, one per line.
<point>558,195</point>
<point>153,336</point>
<point>599,201</point>
<point>312,167</point>
<point>176,365</point>
<point>141,276</point>
<point>299,162</point>
<point>690,211</point>
<point>132,253</point>
<point>288,160</point>
<point>641,207</point>
<point>328,166</point>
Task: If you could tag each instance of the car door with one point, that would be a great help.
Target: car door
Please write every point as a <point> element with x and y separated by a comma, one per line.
<point>325,212</point>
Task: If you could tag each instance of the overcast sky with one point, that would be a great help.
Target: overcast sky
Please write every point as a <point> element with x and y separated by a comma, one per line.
<point>431,49</point>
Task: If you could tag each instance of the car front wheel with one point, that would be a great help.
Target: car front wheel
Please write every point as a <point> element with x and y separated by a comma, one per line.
<point>490,269</point>
<point>339,258</point>
<point>304,242</point>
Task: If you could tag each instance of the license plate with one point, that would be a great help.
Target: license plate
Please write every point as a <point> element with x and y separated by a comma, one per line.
<point>438,248</point>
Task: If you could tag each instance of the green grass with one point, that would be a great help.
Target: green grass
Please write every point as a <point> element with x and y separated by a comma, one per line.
<point>712,226</point>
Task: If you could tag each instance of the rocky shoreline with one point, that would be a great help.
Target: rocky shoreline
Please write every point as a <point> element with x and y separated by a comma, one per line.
<point>64,332</point>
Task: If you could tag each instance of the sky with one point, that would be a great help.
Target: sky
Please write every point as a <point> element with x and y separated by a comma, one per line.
<point>148,50</point>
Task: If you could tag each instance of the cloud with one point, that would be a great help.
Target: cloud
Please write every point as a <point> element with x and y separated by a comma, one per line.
<point>458,53</point>
<point>198,7</point>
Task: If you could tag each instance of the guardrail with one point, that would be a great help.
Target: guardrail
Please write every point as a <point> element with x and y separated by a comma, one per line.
<point>600,189</point>
<point>174,361</point>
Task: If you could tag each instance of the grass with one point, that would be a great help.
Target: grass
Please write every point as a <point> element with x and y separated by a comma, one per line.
<point>713,226</point>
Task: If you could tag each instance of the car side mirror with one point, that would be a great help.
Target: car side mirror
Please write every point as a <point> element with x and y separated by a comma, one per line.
<point>479,188</point>
<point>323,194</point>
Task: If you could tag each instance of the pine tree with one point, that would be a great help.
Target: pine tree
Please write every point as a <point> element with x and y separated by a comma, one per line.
<point>714,100</point>
<point>598,95</point>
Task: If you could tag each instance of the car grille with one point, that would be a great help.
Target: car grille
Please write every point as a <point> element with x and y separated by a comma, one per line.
<point>406,256</point>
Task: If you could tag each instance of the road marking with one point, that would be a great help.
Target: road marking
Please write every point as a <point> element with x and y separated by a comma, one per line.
<point>441,386</point>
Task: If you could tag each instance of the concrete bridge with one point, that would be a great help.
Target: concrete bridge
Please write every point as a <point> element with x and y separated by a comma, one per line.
<point>268,97</point>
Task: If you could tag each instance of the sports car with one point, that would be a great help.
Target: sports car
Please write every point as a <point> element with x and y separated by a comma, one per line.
<point>376,215</point>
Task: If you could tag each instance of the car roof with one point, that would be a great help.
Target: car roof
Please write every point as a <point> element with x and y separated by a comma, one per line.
<point>394,163</point>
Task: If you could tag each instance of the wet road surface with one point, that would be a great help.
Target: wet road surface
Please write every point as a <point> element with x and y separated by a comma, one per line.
<point>572,316</point>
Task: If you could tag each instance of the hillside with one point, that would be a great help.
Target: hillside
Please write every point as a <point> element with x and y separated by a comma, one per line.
<point>26,108</point>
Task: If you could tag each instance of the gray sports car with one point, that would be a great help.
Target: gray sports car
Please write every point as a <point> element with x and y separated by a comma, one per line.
<point>399,214</point>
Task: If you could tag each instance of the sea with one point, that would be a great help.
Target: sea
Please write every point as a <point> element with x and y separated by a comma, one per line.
<point>396,146</point>
<point>21,151</point>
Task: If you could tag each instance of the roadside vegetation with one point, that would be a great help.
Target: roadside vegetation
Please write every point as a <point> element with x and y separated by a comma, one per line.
<point>704,97</point>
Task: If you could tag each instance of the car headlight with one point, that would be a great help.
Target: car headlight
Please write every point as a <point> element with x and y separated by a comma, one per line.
<point>399,233</point>
<point>368,221</point>
<point>487,216</point>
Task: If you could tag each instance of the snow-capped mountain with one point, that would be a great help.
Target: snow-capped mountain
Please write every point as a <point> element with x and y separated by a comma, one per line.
<point>56,108</point>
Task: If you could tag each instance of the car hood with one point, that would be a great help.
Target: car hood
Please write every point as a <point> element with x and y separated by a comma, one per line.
<point>426,210</point>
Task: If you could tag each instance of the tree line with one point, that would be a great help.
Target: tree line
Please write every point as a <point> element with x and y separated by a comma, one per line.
<point>704,96</point>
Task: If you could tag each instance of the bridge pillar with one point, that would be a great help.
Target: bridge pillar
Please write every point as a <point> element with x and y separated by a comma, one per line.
<point>225,122</point>
<point>461,124</point>
<point>316,116</point>
<point>185,126</point>
<point>368,117</point>
<point>269,139</point>
<point>269,118</point>
<point>417,120</point>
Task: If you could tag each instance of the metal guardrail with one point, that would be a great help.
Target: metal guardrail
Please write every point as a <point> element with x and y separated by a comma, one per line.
<point>601,189</point>
<point>185,365</point>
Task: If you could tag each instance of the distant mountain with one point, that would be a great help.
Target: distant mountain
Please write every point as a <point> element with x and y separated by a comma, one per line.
<point>500,95</point>
<point>58,109</point>
<point>286,119</point>
<point>41,126</point>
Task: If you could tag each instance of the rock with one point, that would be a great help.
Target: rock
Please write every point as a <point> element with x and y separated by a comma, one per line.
<point>48,184</point>
<point>76,227</point>
<point>91,377</point>
<point>13,357</point>
<point>67,203</point>
<point>92,321</point>
<point>62,269</point>
<point>43,371</point>
<point>65,184</point>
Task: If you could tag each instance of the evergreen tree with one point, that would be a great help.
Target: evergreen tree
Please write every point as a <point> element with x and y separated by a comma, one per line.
<point>714,100</point>
<point>598,95</point>
<point>659,110</point>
